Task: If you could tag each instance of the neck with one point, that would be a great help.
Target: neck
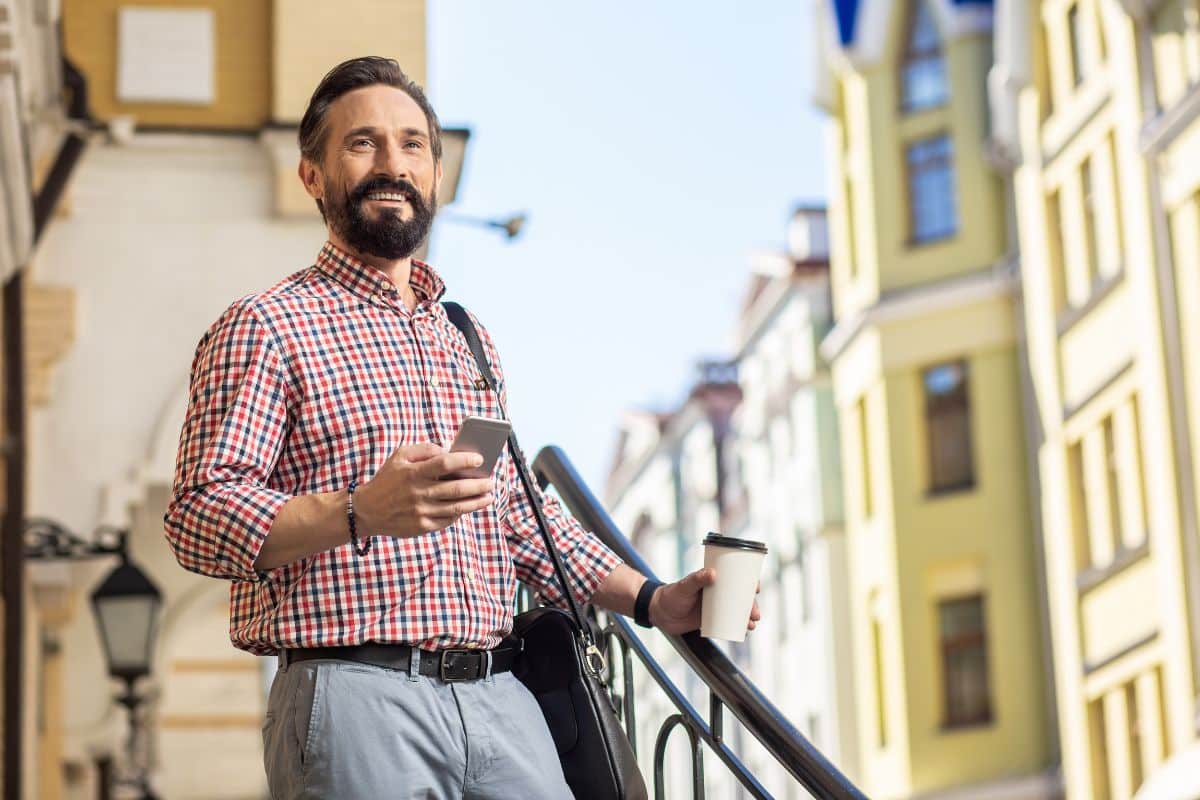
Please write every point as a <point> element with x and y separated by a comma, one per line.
<point>396,270</point>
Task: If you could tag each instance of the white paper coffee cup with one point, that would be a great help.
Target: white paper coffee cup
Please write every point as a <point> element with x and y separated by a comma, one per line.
<point>725,606</point>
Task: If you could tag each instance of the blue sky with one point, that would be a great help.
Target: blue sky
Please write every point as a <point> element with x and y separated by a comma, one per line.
<point>655,146</point>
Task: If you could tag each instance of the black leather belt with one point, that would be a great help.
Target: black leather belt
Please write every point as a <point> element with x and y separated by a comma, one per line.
<point>448,665</point>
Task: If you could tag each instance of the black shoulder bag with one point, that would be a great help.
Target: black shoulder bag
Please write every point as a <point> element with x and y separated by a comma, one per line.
<point>561,663</point>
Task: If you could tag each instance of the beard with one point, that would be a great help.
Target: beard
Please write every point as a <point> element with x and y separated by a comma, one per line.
<point>388,236</point>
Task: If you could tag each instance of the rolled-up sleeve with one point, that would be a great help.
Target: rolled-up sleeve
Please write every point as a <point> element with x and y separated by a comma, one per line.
<point>586,560</point>
<point>221,508</point>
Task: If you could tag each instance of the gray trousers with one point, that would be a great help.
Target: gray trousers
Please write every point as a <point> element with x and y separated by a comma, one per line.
<point>338,729</point>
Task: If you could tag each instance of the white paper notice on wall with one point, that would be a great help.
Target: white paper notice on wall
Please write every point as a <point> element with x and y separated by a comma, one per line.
<point>166,55</point>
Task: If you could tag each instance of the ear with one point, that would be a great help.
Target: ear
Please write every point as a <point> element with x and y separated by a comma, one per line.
<point>311,177</point>
<point>437,176</point>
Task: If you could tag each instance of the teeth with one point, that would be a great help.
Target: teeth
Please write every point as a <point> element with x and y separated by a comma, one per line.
<point>385,196</point>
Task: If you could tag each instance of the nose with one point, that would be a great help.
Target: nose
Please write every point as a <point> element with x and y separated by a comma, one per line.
<point>389,162</point>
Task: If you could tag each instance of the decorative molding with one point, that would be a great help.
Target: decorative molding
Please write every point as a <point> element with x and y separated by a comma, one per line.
<point>1092,577</point>
<point>1069,412</point>
<point>49,334</point>
<point>1071,317</point>
<point>997,280</point>
<point>1161,131</point>
<point>1090,667</point>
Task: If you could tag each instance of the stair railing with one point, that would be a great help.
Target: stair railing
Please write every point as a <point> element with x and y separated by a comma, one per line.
<point>728,687</point>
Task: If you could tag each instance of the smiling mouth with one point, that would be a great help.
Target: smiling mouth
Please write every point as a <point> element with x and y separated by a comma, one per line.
<point>387,197</point>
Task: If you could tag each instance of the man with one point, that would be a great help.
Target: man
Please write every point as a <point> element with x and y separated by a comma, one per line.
<point>312,474</point>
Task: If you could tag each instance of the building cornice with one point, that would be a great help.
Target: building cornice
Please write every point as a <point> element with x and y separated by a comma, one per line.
<point>997,280</point>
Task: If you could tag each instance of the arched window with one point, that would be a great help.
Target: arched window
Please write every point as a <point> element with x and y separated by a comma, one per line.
<point>923,73</point>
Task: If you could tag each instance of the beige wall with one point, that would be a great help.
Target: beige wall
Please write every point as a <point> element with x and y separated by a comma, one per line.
<point>309,38</point>
<point>243,63</point>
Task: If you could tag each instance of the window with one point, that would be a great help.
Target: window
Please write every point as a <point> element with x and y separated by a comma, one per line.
<point>1136,746</point>
<point>948,421</point>
<point>923,73</point>
<point>1191,40</point>
<point>932,204</point>
<point>864,441</point>
<point>966,689</point>
<point>803,571</point>
<point>1075,29</point>
<point>880,695</point>
<point>1091,230</point>
<point>1107,474</point>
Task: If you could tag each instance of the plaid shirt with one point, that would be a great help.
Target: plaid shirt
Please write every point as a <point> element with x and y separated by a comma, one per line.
<point>311,384</point>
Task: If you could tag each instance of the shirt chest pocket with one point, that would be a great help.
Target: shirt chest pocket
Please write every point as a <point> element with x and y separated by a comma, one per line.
<point>475,397</point>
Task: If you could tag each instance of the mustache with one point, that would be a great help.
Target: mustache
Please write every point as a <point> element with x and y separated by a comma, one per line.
<point>398,186</point>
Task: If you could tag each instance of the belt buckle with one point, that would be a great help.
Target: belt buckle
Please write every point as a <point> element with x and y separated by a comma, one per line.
<point>442,667</point>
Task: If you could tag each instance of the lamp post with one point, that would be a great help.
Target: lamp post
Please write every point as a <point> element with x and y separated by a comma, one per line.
<point>511,226</point>
<point>126,606</point>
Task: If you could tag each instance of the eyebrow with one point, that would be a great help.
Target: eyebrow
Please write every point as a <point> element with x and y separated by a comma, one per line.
<point>369,130</point>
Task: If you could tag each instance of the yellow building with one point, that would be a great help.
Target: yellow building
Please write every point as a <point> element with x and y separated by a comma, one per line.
<point>1095,105</point>
<point>944,583</point>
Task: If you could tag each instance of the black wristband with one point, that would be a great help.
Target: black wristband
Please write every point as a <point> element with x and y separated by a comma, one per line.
<point>641,606</point>
<point>366,545</point>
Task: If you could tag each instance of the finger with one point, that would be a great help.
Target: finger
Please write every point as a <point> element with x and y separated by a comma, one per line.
<point>757,588</point>
<point>460,488</point>
<point>755,613</point>
<point>412,453</point>
<point>446,463</point>
<point>452,511</point>
<point>701,578</point>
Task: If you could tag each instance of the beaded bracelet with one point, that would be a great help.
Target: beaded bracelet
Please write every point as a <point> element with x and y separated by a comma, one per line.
<point>366,545</point>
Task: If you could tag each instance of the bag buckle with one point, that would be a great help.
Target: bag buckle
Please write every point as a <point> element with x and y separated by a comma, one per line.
<point>595,660</point>
<point>444,667</point>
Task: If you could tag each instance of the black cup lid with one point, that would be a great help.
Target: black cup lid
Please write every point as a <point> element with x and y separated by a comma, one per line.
<point>728,541</point>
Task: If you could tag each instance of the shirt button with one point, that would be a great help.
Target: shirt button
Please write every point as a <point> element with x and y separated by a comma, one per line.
<point>470,574</point>
<point>433,382</point>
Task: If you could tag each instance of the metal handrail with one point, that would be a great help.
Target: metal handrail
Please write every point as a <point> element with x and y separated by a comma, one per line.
<point>727,684</point>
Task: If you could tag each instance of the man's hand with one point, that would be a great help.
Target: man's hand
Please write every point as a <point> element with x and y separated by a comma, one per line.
<point>409,495</point>
<point>675,608</point>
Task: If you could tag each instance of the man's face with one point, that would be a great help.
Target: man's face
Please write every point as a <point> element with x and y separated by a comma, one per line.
<point>379,180</point>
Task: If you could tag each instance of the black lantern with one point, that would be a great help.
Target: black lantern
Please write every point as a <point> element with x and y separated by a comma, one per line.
<point>126,607</point>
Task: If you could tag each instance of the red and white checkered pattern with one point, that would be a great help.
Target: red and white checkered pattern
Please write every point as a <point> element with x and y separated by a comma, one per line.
<point>311,384</point>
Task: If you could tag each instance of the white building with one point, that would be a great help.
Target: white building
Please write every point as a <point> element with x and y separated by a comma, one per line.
<point>753,453</point>
<point>184,199</point>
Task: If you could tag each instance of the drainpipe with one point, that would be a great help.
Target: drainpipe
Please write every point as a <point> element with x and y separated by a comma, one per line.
<point>1180,425</point>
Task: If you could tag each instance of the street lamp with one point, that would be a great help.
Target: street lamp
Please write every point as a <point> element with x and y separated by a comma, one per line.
<point>126,606</point>
<point>511,226</point>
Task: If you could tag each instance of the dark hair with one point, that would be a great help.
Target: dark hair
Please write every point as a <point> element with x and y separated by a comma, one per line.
<point>355,74</point>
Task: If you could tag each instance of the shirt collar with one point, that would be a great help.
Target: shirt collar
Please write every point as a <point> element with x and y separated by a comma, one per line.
<point>364,280</point>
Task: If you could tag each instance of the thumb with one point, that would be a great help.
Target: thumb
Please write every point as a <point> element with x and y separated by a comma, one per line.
<point>700,579</point>
<point>418,452</point>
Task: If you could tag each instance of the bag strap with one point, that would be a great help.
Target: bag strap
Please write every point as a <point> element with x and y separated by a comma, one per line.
<point>462,320</point>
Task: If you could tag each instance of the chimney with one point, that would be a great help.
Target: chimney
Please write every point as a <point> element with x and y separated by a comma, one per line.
<point>808,235</point>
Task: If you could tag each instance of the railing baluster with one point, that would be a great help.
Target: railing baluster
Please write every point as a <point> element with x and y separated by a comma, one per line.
<point>660,757</point>
<point>715,718</point>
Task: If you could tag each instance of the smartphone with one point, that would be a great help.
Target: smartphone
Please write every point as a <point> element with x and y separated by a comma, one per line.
<point>484,436</point>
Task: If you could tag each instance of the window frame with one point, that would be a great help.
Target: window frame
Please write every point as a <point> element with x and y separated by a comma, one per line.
<point>910,57</point>
<point>928,164</point>
<point>933,488</point>
<point>949,646</point>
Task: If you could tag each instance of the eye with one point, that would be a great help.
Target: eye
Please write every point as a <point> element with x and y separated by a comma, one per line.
<point>361,143</point>
<point>414,144</point>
